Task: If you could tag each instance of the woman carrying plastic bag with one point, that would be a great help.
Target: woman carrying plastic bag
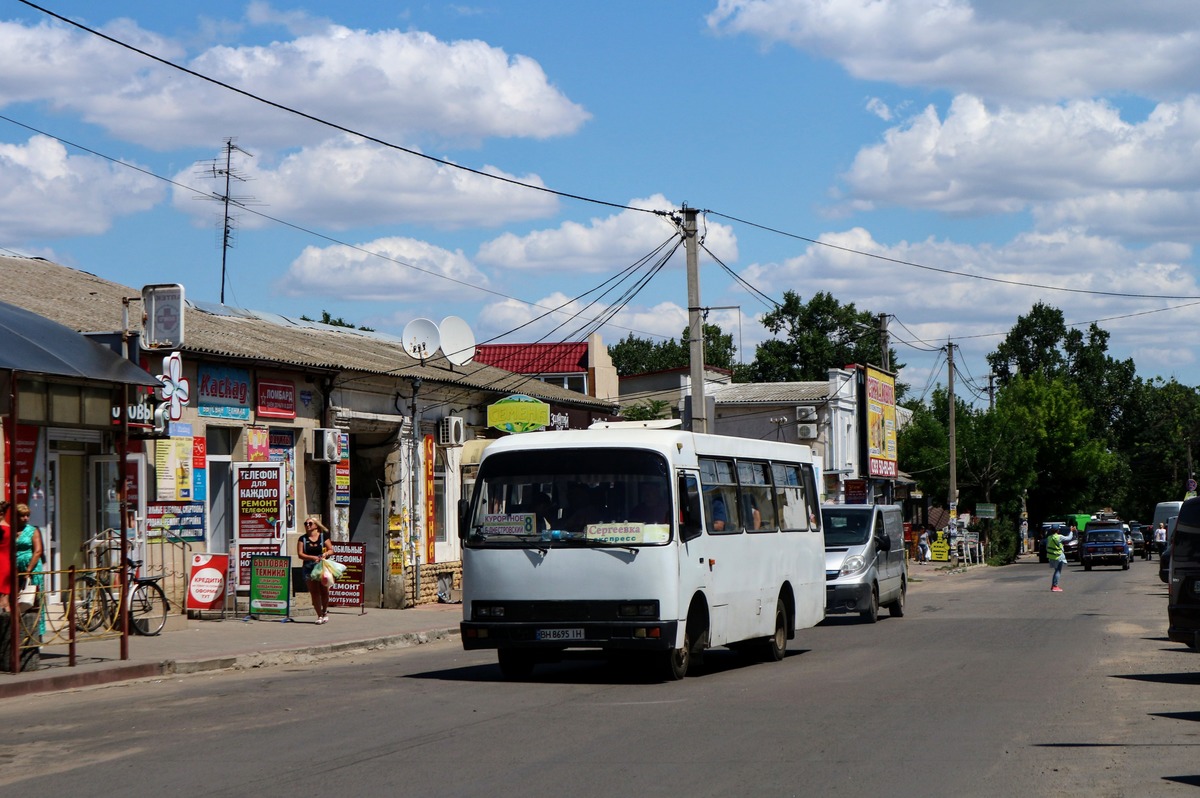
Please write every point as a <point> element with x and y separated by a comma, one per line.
<point>314,548</point>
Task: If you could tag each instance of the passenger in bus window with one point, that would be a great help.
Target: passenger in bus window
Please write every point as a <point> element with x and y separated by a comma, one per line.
<point>543,508</point>
<point>654,507</point>
<point>582,508</point>
<point>751,516</point>
<point>718,517</point>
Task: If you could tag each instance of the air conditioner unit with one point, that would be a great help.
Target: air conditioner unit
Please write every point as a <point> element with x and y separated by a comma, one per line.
<point>806,413</point>
<point>452,431</point>
<point>327,445</point>
<point>806,431</point>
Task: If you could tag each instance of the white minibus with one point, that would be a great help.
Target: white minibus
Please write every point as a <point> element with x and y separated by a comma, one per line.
<point>623,538</point>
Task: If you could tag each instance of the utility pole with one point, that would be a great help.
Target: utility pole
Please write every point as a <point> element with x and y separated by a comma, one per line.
<point>885,355</point>
<point>695,323</point>
<point>953,449</point>
<point>991,391</point>
<point>214,169</point>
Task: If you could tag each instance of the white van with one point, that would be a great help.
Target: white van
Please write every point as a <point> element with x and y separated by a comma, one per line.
<point>865,567</point>
<point>1162,512</point>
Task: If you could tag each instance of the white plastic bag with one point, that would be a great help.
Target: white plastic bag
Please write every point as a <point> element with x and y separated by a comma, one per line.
<point>330,571</point>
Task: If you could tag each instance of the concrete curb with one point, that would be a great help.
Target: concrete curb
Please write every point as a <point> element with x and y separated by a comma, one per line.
<point>112,672</point>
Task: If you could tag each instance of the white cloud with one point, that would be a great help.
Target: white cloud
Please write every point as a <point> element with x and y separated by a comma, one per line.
<point>932,305</point>
<point>879,108</point>
<point>558,317</point>
<point>346,183</point>
<point>1010,50</point>
<point>604,244</point>
<point>388,270</point>
<point>1078,164</point>
<point>45,192</point>
<point>392,84</point>
<point>296,22</point>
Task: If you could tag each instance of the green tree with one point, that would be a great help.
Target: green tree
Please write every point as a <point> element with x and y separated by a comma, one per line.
<point>1033,346</point>
<point>634,355</point>
<point>1071,471</point>
<point>646,410</point>
<point>1157,436</point>
<point>810,338</point>
<point>336,321</point>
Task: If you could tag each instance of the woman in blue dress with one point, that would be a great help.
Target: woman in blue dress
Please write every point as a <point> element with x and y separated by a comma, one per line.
<point>30,558</point>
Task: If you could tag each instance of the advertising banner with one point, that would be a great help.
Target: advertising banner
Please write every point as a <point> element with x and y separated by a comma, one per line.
<point>247,551</point>
<point>258,496</point>
<point>206,581</point>
<point>881,423</point>
<point>182,519</point>
<point>348,591</point>
<point>283,451</point>
<point>430,498</point>
<point>341,474</point>
<point>270,584</point>
<point>276,399</point>
<point>224,392</point>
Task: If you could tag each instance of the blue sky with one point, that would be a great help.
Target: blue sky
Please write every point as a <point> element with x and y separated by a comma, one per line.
<point>1045,146</point>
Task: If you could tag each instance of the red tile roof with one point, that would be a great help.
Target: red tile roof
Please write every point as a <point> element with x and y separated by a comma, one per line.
<point>567,358</point>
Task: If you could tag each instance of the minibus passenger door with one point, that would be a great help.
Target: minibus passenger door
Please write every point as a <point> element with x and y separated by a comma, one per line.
<point>690,521</point>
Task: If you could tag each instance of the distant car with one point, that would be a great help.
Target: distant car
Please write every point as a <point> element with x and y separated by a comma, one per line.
<point>1104,544</point>
<point>1140,547</point>
<point>1047,527</point>
<point>1072,546</point>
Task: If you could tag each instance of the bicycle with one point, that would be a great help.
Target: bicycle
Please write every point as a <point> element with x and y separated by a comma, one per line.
<point>96,606</point>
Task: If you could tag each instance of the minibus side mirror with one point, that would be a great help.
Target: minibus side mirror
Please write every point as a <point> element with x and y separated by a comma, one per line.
<point>464,517</point>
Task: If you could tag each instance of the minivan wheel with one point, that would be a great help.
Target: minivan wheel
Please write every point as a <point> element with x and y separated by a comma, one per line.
<point>871,613</point>
<point>1125,565</point>
<point>896,608</point>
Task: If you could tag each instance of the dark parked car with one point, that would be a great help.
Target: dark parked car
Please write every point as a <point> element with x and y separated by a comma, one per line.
<point>1104,545</point>
<point>1140,548</point>
<point>1183,606</point>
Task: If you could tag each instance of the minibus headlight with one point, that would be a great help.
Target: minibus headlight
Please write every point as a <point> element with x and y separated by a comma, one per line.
<point>853,564</point>
<point>640,609</point>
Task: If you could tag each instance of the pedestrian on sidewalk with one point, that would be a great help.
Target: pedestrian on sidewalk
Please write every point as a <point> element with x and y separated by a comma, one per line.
<point>1056,555</point>
<point>923,545</point>
<point>313,547</point>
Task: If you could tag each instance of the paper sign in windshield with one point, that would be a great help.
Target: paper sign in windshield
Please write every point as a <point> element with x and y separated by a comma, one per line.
<point>621,534</point>
<point>508,524</point>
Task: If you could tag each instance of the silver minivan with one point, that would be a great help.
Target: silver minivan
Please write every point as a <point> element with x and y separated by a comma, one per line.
<point>865,567</point>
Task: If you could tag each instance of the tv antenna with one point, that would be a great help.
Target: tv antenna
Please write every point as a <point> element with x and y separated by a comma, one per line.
<point>223,168</point>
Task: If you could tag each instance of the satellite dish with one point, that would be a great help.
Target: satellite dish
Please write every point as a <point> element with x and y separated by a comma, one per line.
<point>421,338</point>
<point>458,342</point>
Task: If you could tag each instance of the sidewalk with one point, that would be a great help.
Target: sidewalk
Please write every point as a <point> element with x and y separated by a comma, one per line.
<point>234,643</point>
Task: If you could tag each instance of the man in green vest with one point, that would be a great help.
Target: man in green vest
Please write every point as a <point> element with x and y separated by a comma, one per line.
<point>1056,555</point>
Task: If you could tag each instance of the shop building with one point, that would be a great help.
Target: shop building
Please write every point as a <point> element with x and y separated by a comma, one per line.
<point>332,421</point>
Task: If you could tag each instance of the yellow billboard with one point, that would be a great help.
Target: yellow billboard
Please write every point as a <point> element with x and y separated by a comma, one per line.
<point>881,423</point>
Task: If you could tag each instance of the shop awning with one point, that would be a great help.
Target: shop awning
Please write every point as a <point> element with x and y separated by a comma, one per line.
<point>33,344</point>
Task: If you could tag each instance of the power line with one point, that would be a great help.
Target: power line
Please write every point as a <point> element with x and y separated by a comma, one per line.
<point>316,234</point>
<point>951,272</point>
<point>334,125</point>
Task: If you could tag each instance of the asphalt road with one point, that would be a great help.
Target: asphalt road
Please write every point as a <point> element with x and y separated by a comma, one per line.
<point>990,685</point>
